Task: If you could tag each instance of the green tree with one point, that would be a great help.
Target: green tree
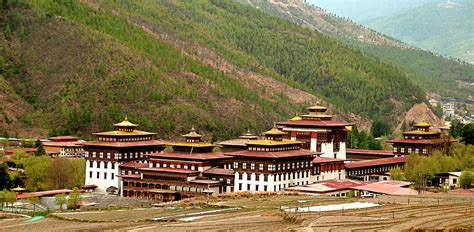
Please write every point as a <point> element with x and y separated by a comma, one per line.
<point>60,174</point>
<point>34,201</point>
<point>36,172</point>
<point>380,127</point>
<point>40,147</point>
<point>466,179</point>
<point>396,174</point>
<point>75,198</point>
<point>468,134</point>
<point>456,129</point>
<point>5,180</point>
<point>60,200</point>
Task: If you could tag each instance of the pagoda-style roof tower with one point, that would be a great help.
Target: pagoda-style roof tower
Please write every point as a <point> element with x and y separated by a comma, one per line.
<point>422,131</point>
<point>274,141</point>
<point>317,112</point>
<point>193,143</point>
<point>124,131</point>
<point>248,135</point>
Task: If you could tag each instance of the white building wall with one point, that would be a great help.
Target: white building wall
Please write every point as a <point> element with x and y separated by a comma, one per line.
<point>335,175</point>
<point>341,154</point>
<point>101,182</point>
<point>271,184</point>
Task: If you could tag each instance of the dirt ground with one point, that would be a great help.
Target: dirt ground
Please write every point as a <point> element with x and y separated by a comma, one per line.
<point>263,213</point>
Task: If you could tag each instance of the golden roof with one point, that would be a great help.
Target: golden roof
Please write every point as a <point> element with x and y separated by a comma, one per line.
<point>184,144</point>
<point>295,118</point>
<point>262,142</point>
<point>125,123</point>
<point>192,134</point>
<point>316,107</point>
<point>423,124</point>
<point>124,133</point>
<point>274,131</point>
<point>248,135</point>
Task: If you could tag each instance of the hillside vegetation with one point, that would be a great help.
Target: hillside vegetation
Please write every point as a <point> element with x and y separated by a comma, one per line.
<point>220,65</point>
<point>443,27</point>
<point>431,72</point>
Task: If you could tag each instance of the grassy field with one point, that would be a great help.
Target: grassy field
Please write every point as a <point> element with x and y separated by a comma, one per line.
<point>263,213</point>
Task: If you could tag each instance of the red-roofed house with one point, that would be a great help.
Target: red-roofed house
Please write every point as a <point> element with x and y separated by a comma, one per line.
<point>325,168</point>
<point>361,154</point>
<point>112,148</point>
<point>319,132</point>
<point>367,168</point>
<point>271,164</point>
<point>191,169</point>
<point>422,140</point>
<point>10,152</point>
<point>64,146</point>
<point>328,187</point>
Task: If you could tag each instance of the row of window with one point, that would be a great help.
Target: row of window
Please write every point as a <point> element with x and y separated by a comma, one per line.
<point>98,164</point>
<point>265,187</point>
<point>274,167</point>
<point>277,177</point>
<point>370,170</point>
<point>410,150</point>
<point>169,165</point>
<point>108,139</point>
<point>222,180</point>
<point>274,148</point>
<point>112,177</point>
<point>109,155</point>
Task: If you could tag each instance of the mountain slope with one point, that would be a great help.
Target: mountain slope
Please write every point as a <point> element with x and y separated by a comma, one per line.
<point>429,71</point>
<point>220,65</point>
<point>443,27</point>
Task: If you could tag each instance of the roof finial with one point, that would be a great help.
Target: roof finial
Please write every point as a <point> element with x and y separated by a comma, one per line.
<point>248,130</point>
<point>126,118</point>
<point>192,128</point>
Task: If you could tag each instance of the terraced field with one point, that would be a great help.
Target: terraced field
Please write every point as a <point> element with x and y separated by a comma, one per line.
<point>263,213</point>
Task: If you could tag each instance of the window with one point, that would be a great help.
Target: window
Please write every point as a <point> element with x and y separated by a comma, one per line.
<point>91,164</point>
<point>260,167</point>
<point>113,165</point>
<point>409,150</point>
<point>402,150</point>
<point>105,164</point>
<point>279,166</point>
<point>98,165</point>
<point>252,166</point>
<point>417,150</point>
<point>228,181</point>
<point>93,154</point>
<point>108,155</point>
<point>240,186</point>
<point>112,177</point>
<point>236,164</point>
<point>395,149</point>
<point>244,165</point>
<point>101,155</point>
<point>86,154</point>
<point>90,174</point>
<point>424,151</point>
<point>98,175</point>
<point>105,175</point>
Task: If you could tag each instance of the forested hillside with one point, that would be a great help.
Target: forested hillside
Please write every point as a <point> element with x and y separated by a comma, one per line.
<point>429,71</point>
<point>221,65</point>
<point>443,27</point>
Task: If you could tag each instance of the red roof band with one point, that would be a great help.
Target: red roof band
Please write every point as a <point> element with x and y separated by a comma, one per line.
<point>377,162</point>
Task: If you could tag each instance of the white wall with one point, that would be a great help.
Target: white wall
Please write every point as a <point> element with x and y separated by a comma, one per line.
<point>270,183</point>
<point>102,184</point>
<point>335,175</point>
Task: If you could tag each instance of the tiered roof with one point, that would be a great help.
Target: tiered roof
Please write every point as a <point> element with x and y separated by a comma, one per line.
<point>317,117</point>
<point>273,146</point>
<point>421,135</point>
<point>125,134</point>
